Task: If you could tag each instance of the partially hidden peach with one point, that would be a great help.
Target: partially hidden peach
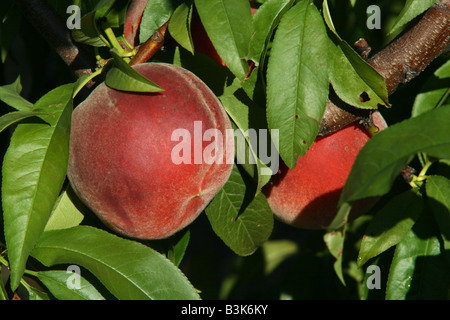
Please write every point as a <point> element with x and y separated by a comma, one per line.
<point>307,195</point>
<point>121,153</point>
<point>200,38</point>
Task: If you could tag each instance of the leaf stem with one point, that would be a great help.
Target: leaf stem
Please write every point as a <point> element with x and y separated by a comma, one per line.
<point>417,181</point>
<point>422,174</point>
<point>86,80</point>
<point>113,40</point>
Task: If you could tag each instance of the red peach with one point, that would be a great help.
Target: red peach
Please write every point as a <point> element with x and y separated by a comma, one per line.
<point>121,163</point>
<point>307,195</point>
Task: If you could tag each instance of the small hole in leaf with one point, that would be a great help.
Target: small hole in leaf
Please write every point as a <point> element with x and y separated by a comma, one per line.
<point>296,117</point>
<point>364,97</point>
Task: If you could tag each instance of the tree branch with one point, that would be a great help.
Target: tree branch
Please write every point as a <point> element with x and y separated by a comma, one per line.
<point>52,27</point>
<point>398,63</point>
<point>151,46</point>
<point>409,55</point>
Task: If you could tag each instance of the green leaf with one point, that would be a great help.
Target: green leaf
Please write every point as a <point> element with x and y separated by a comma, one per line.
<point>335,244</point>
<point>179,25</point>
<point>431,96</point>
<point>246,113</point>
<point>66,212</point>
<point>265,20</point>
<point>156,13</point>
<point>242,220</point>
<point>35,294</point>
<point>297,80</point>
<point>438,194</point>
<point>3,293</point>
<point>390,225</point>
<point>443,71</point>
<point>89,33</point>
<point>418,270</point>
<point>111,13</point>
<point>59,284</point>
<point>229,26</point>
<point>353,79</point>
<point>123,77</point>
<point>128,269</point>
<point>16,116</point>
<point>383,157</point>
<point>34,170</point>
<point>10,94</point>
<point>178,245</point>
<point>411,9</point>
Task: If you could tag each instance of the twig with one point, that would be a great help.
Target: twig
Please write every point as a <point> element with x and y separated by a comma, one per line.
<point>151,46</point>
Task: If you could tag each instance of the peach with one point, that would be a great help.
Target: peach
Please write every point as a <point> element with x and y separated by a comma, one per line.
<point>307,195</point>
<point>121,153</point>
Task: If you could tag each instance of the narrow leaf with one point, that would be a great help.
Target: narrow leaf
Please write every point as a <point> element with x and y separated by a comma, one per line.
<point>382,158</point>
<point>34,170</point>
<point>228,24</point>
<point>60,285</point>
<point>244,112</point>
<point>411,9</point>
<point>242,220</point>
<point>353,79</point>
<point>418,270</point>
<point>390,225</point>
<point>432,95</point>
<point>10,94</point>
<point>443,71</point>
<point>156,13</point>
<point>128,269</point>
<point>265,20</point>
<point>335,244</point>
<point>16,116</point>
<point>297,80</point>
<point>179,25</point>
<point>178,245</point>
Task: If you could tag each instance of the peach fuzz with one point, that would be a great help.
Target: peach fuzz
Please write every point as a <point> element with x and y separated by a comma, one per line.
<point>120,153</point>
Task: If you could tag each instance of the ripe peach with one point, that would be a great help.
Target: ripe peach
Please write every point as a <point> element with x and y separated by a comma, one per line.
<point>121,163</point>
<point>307,195</point>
